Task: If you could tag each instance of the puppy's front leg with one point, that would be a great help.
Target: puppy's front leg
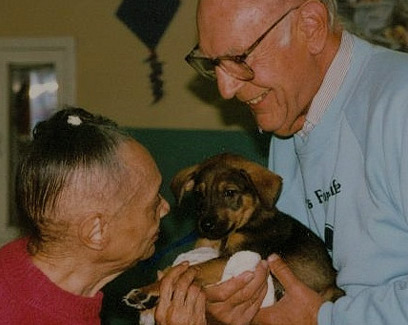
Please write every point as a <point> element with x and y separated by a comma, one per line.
<point>144,298</point>
<point>211,271</point>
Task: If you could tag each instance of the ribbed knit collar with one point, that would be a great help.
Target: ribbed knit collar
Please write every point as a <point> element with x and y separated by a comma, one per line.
<point>28,283</point>
<point>330,85</point>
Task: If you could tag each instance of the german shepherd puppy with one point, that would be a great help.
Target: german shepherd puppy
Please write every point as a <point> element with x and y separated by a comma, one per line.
<point>235,207</point>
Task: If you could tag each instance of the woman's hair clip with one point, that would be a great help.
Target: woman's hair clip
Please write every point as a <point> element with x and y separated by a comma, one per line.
<point>74,120</point>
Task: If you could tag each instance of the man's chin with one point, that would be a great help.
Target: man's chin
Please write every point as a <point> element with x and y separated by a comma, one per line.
<point>279,131</point>
<point>265,126</point>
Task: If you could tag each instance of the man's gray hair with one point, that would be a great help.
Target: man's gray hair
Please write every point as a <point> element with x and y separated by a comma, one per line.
<point>331,6</point>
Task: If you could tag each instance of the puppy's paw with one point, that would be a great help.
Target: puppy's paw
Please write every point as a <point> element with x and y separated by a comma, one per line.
<point>138,299</point>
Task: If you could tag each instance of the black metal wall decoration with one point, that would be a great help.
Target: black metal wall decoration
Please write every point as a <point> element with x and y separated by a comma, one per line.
<point>149,19</point>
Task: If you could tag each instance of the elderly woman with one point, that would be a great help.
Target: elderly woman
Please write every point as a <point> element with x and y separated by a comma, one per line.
<point>89,195</point>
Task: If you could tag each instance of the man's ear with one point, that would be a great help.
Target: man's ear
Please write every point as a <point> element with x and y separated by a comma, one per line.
<point>314,25</point>
<point>92,231</point>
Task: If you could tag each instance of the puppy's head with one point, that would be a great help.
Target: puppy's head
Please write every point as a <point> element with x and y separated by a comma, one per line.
<point>227,190</point>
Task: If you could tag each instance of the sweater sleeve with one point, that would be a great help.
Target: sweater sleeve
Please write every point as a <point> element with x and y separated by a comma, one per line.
<point>372,306</point>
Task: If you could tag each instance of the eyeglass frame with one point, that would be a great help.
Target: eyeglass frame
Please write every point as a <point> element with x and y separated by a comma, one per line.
<point>239,59</point>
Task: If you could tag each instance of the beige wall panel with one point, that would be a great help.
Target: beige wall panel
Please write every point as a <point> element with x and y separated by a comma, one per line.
<point>112,77</point>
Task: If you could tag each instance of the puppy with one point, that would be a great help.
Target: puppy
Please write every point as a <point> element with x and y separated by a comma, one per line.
<point>235,208</point>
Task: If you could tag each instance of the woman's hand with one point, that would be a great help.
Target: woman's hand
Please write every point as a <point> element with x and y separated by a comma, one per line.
<point>181,302</point>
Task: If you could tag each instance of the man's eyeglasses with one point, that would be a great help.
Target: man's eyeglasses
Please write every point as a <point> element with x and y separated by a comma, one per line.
<point>234,65</point>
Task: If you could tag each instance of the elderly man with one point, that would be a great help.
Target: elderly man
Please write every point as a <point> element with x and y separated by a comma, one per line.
<point>338,110</point>
<point>89,196</point>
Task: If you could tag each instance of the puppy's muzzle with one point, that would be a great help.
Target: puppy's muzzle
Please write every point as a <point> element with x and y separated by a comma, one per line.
<point>207,225</point>
<point>213,228</point>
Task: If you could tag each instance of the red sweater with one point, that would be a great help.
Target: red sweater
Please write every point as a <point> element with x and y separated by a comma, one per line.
<point>28,297</point>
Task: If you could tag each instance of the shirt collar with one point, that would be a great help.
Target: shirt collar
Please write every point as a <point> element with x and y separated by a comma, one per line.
<point>330,85</point>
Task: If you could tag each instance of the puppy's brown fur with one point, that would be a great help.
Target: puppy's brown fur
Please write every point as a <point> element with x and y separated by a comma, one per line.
<point>235,204</point>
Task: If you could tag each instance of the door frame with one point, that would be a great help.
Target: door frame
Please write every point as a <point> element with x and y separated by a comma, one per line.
<point>59,51</point>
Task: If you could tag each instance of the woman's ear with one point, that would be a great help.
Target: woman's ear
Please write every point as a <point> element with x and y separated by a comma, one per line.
<point>92,231</point>
<point>314,25</point>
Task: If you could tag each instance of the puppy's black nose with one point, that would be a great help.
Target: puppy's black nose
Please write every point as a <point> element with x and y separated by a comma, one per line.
<point>207,225</point>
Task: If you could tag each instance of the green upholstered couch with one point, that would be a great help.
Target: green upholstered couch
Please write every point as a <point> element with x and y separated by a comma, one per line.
<point>174,150</point>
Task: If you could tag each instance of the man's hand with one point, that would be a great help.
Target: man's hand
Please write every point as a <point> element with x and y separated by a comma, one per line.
<point>181,301</point>
<point>299,305</point>
<point>237,300</point>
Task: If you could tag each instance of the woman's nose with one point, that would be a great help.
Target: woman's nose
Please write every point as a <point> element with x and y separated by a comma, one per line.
<point>165,208</point>
<point>227,85</point>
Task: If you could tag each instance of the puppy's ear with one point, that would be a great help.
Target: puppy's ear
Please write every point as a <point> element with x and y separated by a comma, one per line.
<point>267,184</point>
<point>183,182</point>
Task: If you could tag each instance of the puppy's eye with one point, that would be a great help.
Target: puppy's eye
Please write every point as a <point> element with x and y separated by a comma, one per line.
<point>229,193</point>
<point>198,194</point>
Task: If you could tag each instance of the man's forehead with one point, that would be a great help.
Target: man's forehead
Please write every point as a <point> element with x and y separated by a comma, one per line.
<point>240,11</point>
<point>235,23</point>
<point>232,8</point>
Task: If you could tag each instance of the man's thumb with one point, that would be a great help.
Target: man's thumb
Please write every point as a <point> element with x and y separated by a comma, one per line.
<point>281,271</point>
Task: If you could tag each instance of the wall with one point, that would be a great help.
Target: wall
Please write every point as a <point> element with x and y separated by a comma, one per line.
<point>112,77</point>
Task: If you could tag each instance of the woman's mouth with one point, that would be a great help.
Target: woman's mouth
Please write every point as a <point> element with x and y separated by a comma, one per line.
<point>155,237</point>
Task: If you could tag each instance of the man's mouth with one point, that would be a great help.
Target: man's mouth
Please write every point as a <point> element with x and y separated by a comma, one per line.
<point>257,99</point>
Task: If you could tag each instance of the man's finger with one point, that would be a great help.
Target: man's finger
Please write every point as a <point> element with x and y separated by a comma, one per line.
<point>225,290</point>
<point>281,271</point>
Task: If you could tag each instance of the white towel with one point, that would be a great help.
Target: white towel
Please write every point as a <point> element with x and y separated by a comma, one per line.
<point>238,263</point>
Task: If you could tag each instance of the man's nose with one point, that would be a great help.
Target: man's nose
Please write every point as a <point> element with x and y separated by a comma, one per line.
<point>228,86</point>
